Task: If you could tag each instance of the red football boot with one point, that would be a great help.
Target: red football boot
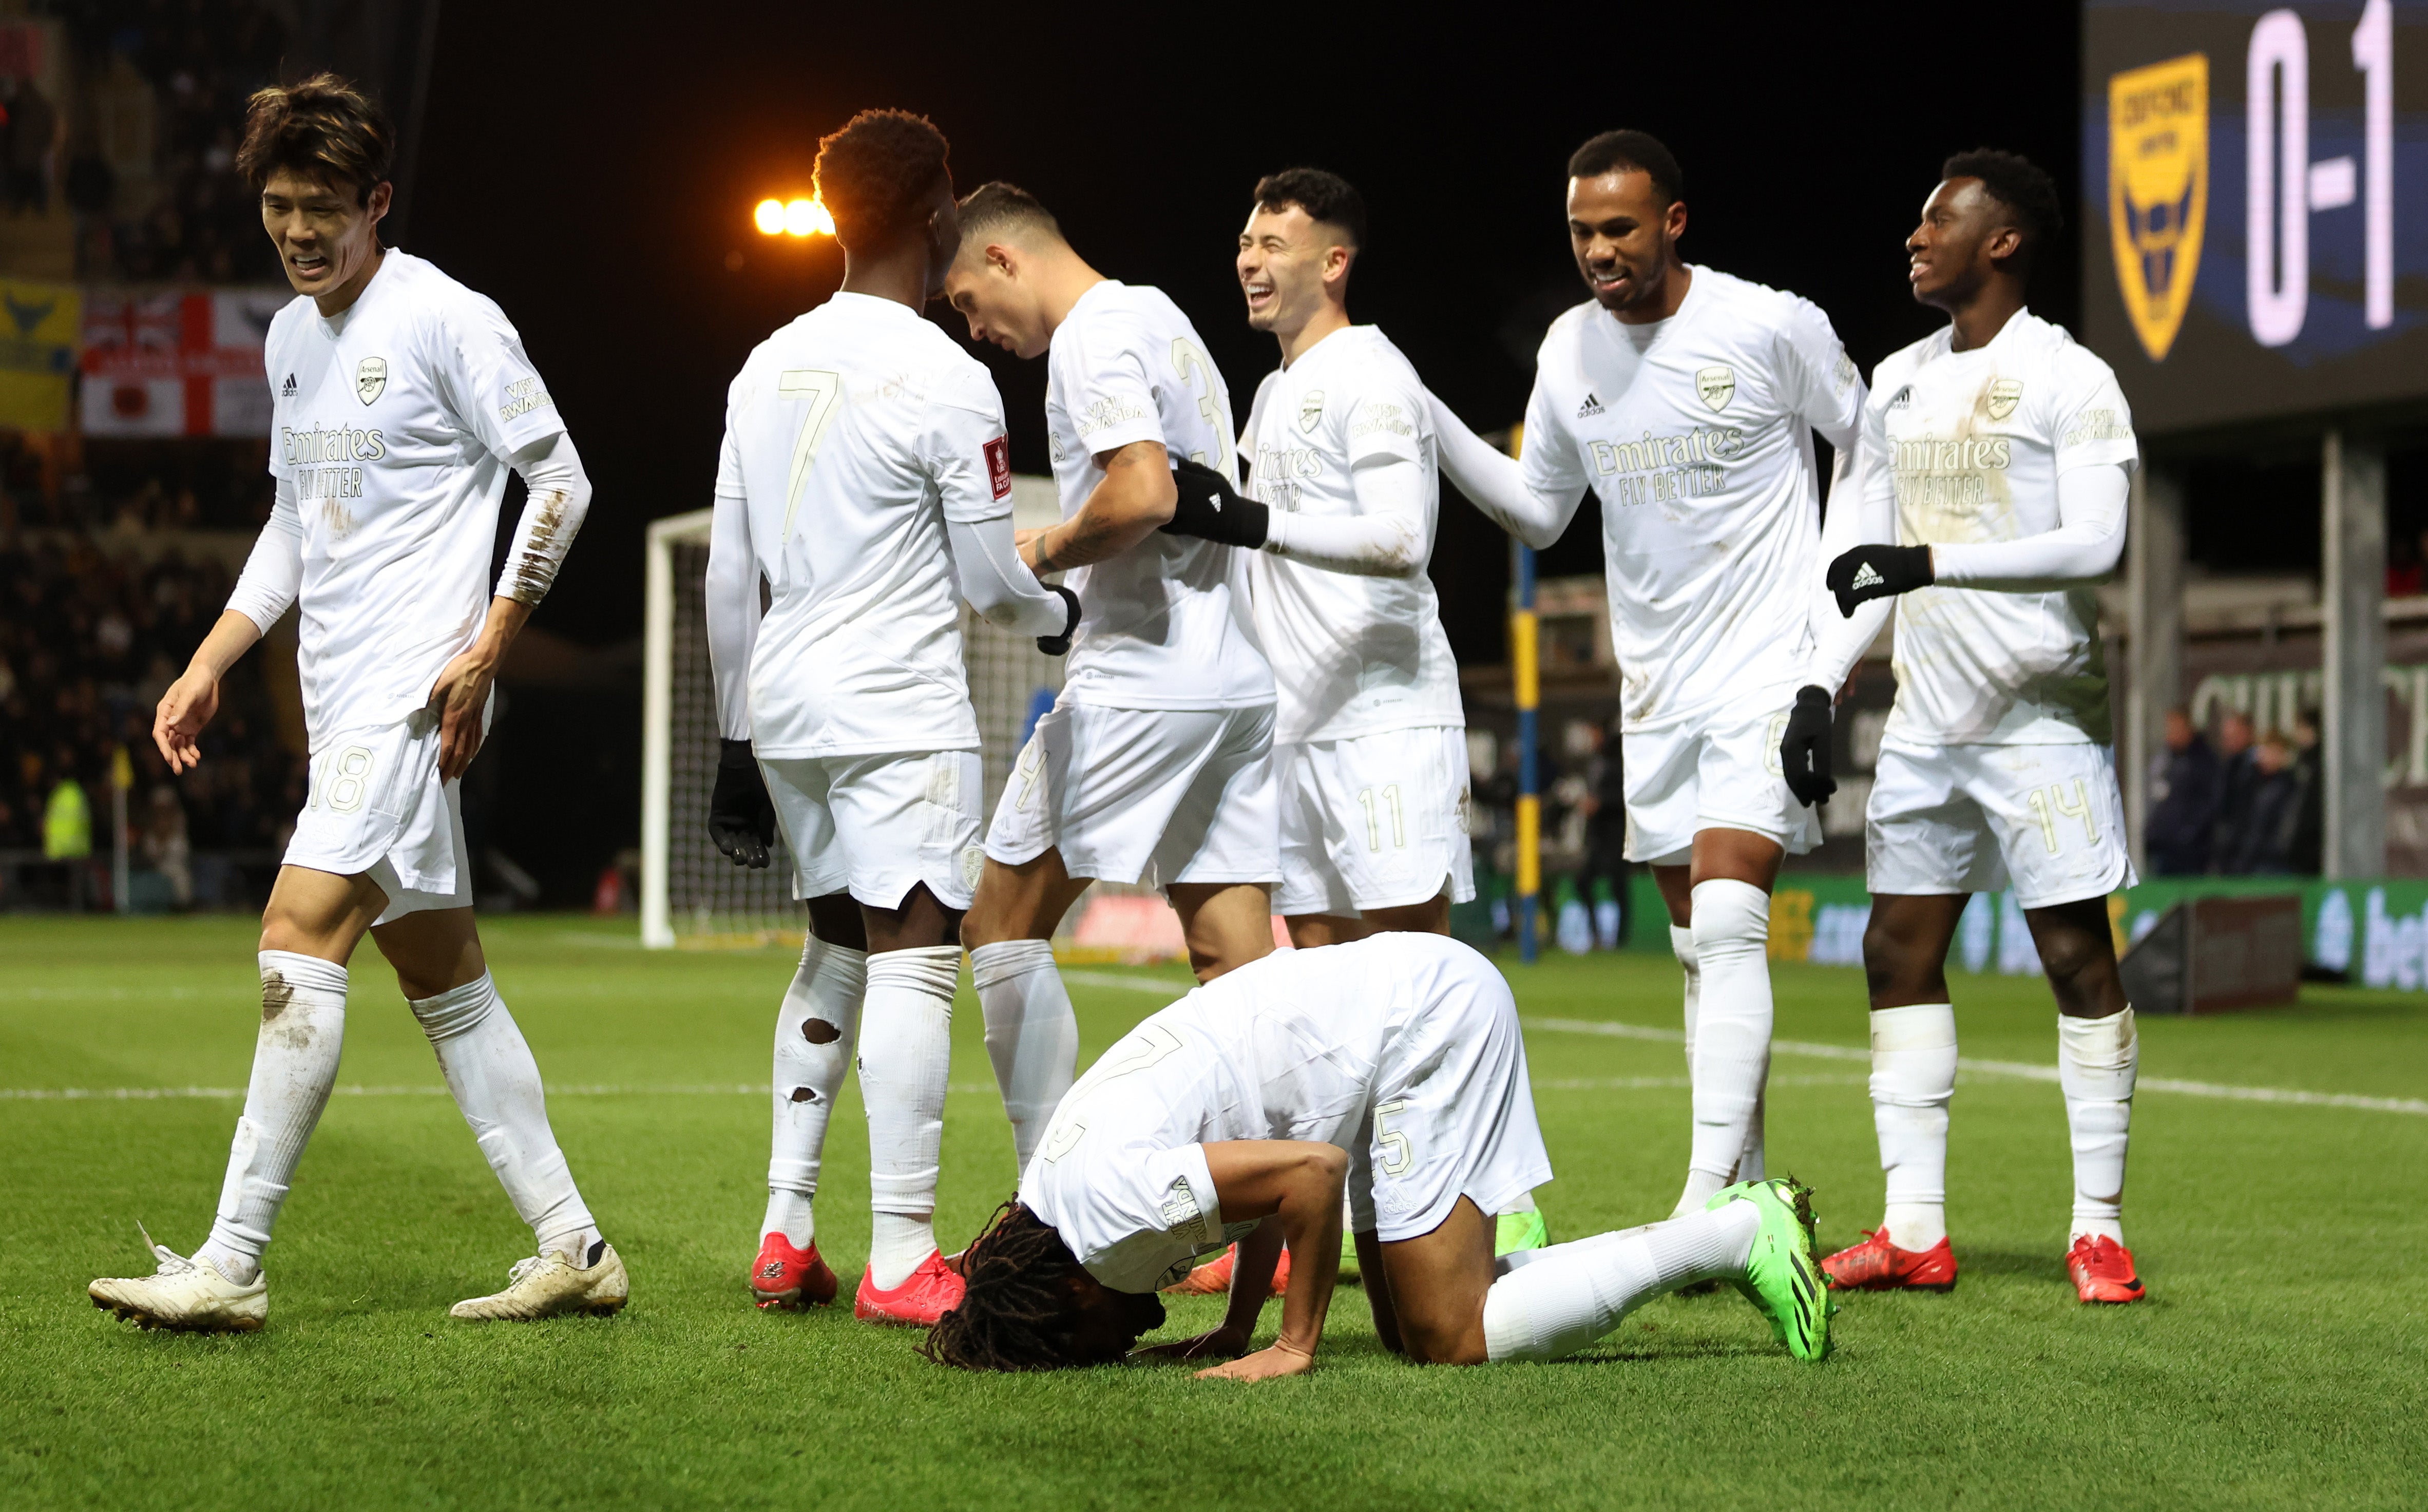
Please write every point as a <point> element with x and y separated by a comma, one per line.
<point>788,1278</point>
<point>924,1295</point>
<point>1876,1265</point>
<point>2103,1270</point>
<point>1213,1278</point>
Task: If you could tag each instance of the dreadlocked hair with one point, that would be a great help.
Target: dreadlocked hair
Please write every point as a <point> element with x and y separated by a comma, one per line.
<point>1015,1312</point>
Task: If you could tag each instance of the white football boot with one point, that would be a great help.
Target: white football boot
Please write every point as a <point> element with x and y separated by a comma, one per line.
<point>184,1295</point>
<point>547,1285</point>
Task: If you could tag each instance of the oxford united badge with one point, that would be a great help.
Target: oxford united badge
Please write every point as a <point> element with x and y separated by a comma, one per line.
<point>2158,191</point>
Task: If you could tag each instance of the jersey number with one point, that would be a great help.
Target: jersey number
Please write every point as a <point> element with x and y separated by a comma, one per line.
<point>2050,806</point>
<point>1398,1155</point>
<point>1154,1044</point>
<point>347,774</point>
<point>1374,817</point>
<point>821,389</point>
<point>1188,362</point>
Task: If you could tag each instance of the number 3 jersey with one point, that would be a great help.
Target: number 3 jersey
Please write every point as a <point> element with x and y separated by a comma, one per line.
<point>391,427</point>
<point>851,435</point>
<point>1163,625</point>
<point>1695,432</point>
<point>1971,443</point>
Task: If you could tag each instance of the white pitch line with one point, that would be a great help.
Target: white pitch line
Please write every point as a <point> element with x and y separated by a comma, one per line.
<point>2021,1069</point>
<point>1125,981</point>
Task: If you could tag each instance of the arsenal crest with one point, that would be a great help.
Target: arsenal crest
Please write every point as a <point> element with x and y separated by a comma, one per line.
<point>1717,385</point>
<point>2158,191</point>
<point>1310,411</point>
<point>371,378</point>
<point>2003,396</point>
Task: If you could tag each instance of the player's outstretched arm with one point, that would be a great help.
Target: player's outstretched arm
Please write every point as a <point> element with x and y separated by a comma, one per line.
<point>1496,484</point>
<point>272,576</point>
<point>2091,509</point>
<point>1300,1182</point>
<point>1135,498</point>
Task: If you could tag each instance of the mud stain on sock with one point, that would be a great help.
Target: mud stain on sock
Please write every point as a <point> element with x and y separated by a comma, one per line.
<point>276,996</point>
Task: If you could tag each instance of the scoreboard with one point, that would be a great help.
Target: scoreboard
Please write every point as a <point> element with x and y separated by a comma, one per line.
<point>2255,217</point>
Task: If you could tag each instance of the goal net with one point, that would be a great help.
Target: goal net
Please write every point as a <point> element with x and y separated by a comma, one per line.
<point>691,895</point>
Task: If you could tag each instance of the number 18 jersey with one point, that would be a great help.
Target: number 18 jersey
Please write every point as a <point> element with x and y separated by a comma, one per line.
<point>1164,624</point>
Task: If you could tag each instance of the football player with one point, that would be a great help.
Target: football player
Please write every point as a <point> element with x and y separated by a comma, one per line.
<point>1996,460</point>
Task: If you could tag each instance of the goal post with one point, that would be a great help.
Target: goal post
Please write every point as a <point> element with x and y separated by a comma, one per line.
<point>691,895</point>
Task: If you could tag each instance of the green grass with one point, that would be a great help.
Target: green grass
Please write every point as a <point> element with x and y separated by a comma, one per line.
<point>2279,1362</point>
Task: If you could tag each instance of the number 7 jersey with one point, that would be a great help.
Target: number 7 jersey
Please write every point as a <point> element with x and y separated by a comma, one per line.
<point>1163,625</point>
<point>851,435</point>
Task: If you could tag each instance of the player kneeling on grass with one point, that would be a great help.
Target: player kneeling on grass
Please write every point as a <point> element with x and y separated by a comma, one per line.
<point>400,400</point>
<point>1391,1066</point>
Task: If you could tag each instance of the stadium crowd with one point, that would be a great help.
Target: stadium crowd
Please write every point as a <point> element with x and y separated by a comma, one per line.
<point>202,59</point>
<point>88,643</point>
<point>2244,805</point>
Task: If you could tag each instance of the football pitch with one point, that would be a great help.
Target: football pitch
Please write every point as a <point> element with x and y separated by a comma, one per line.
<point>2280,1360</point>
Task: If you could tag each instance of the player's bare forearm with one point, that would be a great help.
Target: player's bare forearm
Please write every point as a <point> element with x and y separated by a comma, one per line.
<point>190,703</point>
<point>1137,496</point>
<point>1252,1281</point>
<point>1300,1182</point>
<point>462,691</point>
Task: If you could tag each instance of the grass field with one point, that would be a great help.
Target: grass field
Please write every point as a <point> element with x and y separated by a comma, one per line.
<point>2283,1359</point>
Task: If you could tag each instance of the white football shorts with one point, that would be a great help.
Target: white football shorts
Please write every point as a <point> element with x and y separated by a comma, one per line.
<point>1147,795</point>
<point>878,825</point>
<point>1718,770</point>
<point>1967,819</point>
<point>377,808</point>
<point>1373,822</point>
<point>1453,1113</point>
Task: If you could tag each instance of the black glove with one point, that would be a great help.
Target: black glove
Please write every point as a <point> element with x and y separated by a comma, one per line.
<point>1804,752</point>
<point>1060,644</point>
<point>741,815</point>
<point>1870,572</point>
<point>1212,510</point>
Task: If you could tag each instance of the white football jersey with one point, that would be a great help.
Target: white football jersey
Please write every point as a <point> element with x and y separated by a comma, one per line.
<point>1163,625</point>
<point>1289,1047</point>
<point>1352,654</point>
<point>1973,443</point>
<point>851,435</point>
<point>392,424</point>
<point>1696,434</point>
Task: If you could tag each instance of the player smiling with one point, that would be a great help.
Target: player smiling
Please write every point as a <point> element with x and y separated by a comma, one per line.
<point>1687,400</point>
<point>1996,458</point>
<point>1155,765</point>
<point>401,400</point>
<point>1390,1067</point>
<point>865,475</point>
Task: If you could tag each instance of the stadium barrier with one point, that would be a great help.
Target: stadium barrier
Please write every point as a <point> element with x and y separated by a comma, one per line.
<point>2373,931</point>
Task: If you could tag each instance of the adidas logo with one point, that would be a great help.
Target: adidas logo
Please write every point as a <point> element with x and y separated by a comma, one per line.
<point>1904,399</point>
<point>1866,577</point>
<point>287,389</point>
<point>1591,407</point>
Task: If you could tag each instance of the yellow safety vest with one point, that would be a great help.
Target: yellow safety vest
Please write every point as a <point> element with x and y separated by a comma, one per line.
<point>67,824</point>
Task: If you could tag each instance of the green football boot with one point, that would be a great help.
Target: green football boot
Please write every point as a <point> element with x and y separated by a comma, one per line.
<point>1782,1280</point>
<point>1511,1232</point>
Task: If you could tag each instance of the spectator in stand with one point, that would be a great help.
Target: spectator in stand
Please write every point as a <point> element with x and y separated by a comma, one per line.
<point>2306,826</point>
<point>2184,800</point>
<point>2262,847</point>
<point>32,136</point>
<point>2237,777</point>
<point>165,847</point>
<point>1604,806</point>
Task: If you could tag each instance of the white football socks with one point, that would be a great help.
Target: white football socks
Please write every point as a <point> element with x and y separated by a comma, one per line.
<point>1914,1075</point>
<point>1566,1296</point>
<point>1731,1034</point>
<point>905,1057</point>
<point>488,1066</point>
<point>2096,1061</point>
<point>1031,1034</point>
<point>294,1065</point>
<point>815,1030</point>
